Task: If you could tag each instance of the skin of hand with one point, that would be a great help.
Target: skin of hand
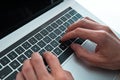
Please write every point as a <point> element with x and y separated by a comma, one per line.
<point>34,69</point>
<point>107,52</point>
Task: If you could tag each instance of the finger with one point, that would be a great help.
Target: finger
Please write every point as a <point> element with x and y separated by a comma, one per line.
<point>19,76</point>
<point>83,33</point>
<point>38,65</point>
<point>83,54</point>
<point>90,19</point>
<point>53,62</point>
<point>28,71</point>
<point>85,23</point>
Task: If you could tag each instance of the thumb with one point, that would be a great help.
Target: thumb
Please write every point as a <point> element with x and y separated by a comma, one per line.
<point>84,54</point>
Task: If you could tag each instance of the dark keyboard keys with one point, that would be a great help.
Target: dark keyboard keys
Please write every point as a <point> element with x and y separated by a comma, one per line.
<point>66,24</point>
<point>12,76</point>
<point>54,43</point>
<point>63,46</point>
<point>59,22</point>
<point>44,32</point>
<point>57,31</point>
<point>65,55</point>
<point>49,48</point>
<point>70,21</point>
<point>19,50</point>
<point>63,18</point>
<point>74,18</point>
<point>57,51</point>
<point>79,41</point>
<point>26,45</point>
<point>78,15</point>
<point>4,61</point>
<point>47,39</point>
<point>62,28</point>
<point>32,40</point>
<point>35,48</point>
<point>41,44</point>
<point>52,35</point>
<point>58,38</point>
<point>0,66</point>
<point>12,55</point>
<point>21,58</point>
<point>20,68</point>
<point>14,64</point>
<point>49,28</point>
<point>5,71</point>
<point>38,36</point>
<point>67,16</point>
<point>72,12</point>
<point>54,25</point>
<point>28,53</point>
<point>42,51</point>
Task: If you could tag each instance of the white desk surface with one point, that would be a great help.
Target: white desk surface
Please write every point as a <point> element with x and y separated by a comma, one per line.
<point>106,10</point>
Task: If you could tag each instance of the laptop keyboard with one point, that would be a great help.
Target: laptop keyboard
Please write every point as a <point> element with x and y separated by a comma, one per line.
<point>45,38</point>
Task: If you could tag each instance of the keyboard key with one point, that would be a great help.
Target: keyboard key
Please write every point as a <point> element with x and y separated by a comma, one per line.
<point>12,76</point>
<point>14,64</point>
<point>52,35</point>
<point>44,32</point>
<point>72,12</point>
<point>21,58</point>
<point>42,51</point>
<point>62,28</point>
<point>5,71</point>
<point>74,18</point>
<point>54,43</point>
<point>26,45</point>
<point>49,28</point>
<point>58,38</point>
<point>4,61</point>
<point>32,40</point>
<point>66,24</point>
<point>59,22</point>
<point>47,39</point>
<point>38,36</point>
<point>79,41</point>
<point>65,55</point>
<point>28,53</point>
<point>63,46</point>
<point>12,55</point>
<point>67,15</point>
<point>78,15</point>
<point>63,18</point>
<point>49,48</point>
<point>20,68</point>
<point>19,50</point>
<point>35,48</point>
<point>41,44</point>
<point>0,66</point>
<point>57,31</point>
<point>54,25</point>
<point>57,51</point>
<point>70,21</point>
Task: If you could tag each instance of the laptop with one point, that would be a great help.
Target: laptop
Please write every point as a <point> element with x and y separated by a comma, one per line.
<point>37,26</point>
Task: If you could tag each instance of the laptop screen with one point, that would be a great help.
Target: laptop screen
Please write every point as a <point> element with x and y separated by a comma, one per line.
<point>15,13</point>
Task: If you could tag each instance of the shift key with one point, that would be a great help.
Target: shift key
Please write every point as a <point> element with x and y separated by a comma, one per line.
<point>5,71</point>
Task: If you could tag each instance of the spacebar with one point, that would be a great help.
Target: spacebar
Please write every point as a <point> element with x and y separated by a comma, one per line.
<point>65,55</point>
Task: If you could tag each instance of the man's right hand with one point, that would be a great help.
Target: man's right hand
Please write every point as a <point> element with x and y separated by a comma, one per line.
<point>107,53</point>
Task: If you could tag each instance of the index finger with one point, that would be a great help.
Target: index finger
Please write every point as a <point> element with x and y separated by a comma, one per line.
<point>85,23</point>
<point>92,35</point>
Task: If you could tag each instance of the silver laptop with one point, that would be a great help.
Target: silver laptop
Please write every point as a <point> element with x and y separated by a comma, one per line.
<point>37,26</point>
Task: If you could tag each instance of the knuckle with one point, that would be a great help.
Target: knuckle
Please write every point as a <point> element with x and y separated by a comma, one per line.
<point>102,34</point>
<point>77,30</point>
<point>106,28</point>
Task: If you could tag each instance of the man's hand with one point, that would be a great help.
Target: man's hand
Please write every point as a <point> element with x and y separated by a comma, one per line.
<point>34,69</point>
<point>107,54</point>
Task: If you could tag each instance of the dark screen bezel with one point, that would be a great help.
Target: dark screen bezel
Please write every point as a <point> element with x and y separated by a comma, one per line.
<point>13,28</point>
